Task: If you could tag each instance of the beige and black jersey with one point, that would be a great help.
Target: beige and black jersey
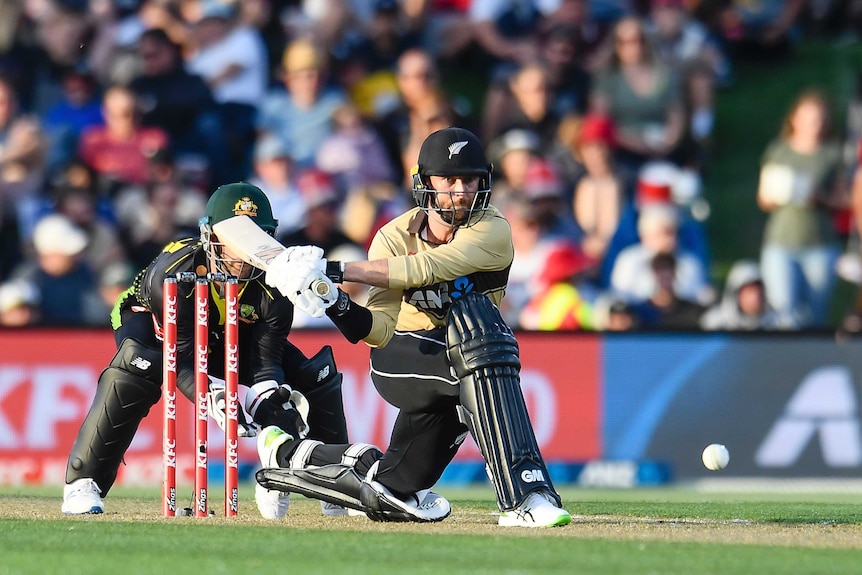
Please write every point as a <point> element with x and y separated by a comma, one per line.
<point>424,278</point>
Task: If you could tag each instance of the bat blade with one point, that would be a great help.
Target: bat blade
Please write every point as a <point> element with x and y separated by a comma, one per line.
<point>248,241</point>
<point>255,247</point>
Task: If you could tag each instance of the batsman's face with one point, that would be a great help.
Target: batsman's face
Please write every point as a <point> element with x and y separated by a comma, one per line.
<point>456,194</point>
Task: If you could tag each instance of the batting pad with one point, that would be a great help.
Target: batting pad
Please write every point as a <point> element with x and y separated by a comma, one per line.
<point>334,483</point>
<point>484,353</point>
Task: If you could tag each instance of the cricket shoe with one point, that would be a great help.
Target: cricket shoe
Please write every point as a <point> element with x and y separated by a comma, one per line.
<point>271,503</point>
<point>537,510</point>
<point>422,506</point>
<point>82,496</point>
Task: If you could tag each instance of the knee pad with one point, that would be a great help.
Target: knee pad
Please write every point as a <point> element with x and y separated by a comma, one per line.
<point>124,396</point>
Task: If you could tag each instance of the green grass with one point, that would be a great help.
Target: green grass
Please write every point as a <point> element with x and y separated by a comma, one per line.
<point>662,531</point>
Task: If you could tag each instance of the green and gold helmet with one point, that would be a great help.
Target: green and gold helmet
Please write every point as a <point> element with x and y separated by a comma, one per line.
<point>229,200</point>
<point>240,199</point>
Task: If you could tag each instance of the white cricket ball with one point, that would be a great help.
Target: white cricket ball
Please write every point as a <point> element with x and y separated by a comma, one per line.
<point>715,456</point>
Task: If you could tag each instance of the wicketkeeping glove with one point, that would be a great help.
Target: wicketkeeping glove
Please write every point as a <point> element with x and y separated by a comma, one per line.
<point>216,407</point>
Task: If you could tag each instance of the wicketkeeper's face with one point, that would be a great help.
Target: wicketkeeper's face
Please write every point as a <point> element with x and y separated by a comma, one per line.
<point>230,263</point>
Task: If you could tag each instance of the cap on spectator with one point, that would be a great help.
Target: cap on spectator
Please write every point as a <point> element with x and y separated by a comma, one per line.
<point>562,262</point>
<point>17,293</point>
<point>302,55</point>
<point>217,9</point>
<point>655,181</point>
<point>597,129</point>
<point>317,188</point>
<point>56,234</point>
<point>542,181</point>
<point>270,147</point>
<point>517,139</point>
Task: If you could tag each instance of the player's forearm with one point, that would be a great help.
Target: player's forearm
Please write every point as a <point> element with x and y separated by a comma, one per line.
<point>373,273</point>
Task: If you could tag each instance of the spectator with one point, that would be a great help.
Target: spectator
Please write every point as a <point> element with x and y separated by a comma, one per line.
<point>274,172</point>
<point>79,204</point>
<point>505,32</point>
<point>642,96</point>
<point>660,183</point>
<point>120,151</point>
<point>531,248</point>
<point>354,153</point>
<point>632,277</point>
<point>421,101</point>
<point>665,309</point>
<point>165,205</point>
<point>765,29</point>
<point>524,102</point>
<point>322,201</point>
<point>683,43</point>
<point>78,108</point>
<point>301,112</point>
<point>176,101</point>
<point>588,32</point>
<point>558,301</point>
<point>801,181</point>
<point>620,316</point>
<point>23,167</point>
<point>19,304</point>
<point>743,304</point>
<point>568,80</point>
<point>543,189</point>
<point>158,221</point>
<point>511,154</point>
<point>68,287</point>
<point>600,195</point>
<point>231,58</point>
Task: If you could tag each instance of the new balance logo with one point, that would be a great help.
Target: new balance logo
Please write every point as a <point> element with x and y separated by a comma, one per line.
<point>323,374</point>
<point>141,363</point>
<point>532,475</point>
<point>455,149</point>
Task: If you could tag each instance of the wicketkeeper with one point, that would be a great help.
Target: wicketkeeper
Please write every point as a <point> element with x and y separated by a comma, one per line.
<point>270,366</point>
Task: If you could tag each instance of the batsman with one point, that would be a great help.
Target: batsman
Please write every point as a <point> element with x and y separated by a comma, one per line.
<point>440,351</point>
<point>277,374</point>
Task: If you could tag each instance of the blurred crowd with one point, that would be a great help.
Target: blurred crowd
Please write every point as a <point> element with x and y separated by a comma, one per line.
<point>119,117</point>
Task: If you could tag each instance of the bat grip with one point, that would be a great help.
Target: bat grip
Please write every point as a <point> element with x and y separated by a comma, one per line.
<point>320,288</point>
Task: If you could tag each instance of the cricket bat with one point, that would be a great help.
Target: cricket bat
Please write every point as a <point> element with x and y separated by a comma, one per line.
<point>256,247</point>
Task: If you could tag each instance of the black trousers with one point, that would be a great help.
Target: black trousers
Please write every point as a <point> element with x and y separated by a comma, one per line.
<point>412,373</point>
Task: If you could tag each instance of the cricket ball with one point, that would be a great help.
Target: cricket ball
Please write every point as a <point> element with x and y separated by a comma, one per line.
<point>715,456</point>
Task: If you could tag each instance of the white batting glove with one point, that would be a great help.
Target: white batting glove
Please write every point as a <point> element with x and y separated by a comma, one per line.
<point>305,253</point>
<point>290,277</point>
<point>309,299</point>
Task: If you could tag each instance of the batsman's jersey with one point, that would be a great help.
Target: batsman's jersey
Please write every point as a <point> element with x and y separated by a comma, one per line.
<point>265,316</point>
<point>424,278</point>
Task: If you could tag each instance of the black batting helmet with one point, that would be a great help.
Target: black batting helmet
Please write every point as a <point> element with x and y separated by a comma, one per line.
<point>451,152</point>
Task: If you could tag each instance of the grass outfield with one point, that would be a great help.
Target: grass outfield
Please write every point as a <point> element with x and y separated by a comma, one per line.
<point>661,531</point>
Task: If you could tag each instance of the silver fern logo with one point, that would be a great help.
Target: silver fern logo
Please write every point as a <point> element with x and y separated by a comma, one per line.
<point>456,148</point>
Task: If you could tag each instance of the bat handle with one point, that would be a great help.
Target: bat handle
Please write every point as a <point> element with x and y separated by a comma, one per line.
<point>320,288</point>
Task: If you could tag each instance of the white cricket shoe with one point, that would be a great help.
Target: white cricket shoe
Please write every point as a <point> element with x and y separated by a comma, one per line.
<point>537,510</point>
<point>82,496</point>
<point>271,503</point>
